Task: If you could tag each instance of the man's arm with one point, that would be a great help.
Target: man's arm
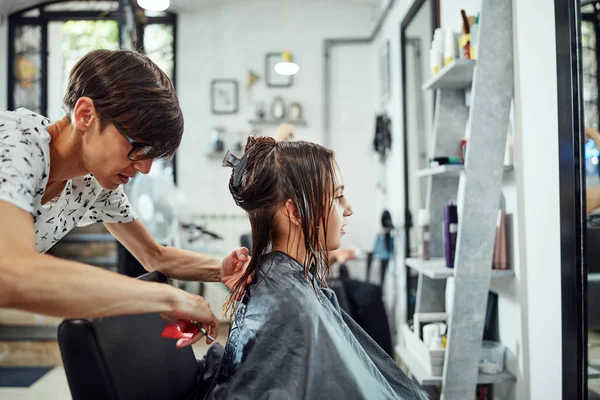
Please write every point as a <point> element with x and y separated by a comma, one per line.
<point>592,199</point>
<point>174,263</point>
<point>48,285</point>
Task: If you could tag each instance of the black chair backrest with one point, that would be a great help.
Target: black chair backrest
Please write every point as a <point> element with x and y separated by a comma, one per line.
<point>125,358</point>
<point>592,254</point>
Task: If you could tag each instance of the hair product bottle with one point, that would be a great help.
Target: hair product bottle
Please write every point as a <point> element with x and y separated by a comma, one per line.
<point>500,260</point>
<point>425,234</point>
<point>450,233</point>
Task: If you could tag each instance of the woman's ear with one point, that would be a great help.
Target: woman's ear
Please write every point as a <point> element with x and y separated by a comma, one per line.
<point>84,113</point>
<point>292,212</point>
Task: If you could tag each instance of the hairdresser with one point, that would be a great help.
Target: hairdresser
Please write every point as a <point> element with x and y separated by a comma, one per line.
<point>121,114</point>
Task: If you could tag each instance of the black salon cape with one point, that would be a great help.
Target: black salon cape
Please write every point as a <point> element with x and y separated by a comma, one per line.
<point>286,343</point>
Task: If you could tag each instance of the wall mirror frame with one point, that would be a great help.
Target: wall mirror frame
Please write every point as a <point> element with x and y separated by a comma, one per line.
<point>572,199</point>
<point>417,114</point>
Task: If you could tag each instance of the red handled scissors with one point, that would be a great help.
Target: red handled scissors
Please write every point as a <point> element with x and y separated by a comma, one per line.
<point>184,330</point>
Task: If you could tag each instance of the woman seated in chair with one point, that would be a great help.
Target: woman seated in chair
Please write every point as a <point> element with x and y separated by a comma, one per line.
<point>289,338</point>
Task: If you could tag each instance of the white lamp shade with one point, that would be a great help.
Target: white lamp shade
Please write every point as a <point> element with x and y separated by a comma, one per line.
<point>154,5</point>
<point>287,68</point>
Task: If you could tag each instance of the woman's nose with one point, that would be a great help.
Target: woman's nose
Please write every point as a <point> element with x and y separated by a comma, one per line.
<point>143,166</point>
<point>348,211</point>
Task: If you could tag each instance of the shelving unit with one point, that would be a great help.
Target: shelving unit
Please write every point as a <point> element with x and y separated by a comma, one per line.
<point>476,187</point>
<point>436,269</point>
<point>442,170</point>
<point>450,170</point>
<point>419,372</point>
<point>276,122</point>
<point>88,237</point>
<point>456,75</point>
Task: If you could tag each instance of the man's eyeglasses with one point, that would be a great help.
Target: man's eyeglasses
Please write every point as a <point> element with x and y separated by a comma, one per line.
<point>139,151</point>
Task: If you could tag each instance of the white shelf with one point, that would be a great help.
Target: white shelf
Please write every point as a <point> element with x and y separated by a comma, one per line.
<point>276,122</point>
<point>450,170</point>
<point>436,269</point>
<point>87,238</point>
<point>446,170</point>
<point>456,75</point>
<point>417,370</point>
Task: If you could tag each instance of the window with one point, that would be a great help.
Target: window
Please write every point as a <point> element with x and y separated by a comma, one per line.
<point>48,39</point>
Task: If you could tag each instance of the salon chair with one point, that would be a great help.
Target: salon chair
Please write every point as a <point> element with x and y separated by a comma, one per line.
<point>125,358</point>
<point>592,260</point>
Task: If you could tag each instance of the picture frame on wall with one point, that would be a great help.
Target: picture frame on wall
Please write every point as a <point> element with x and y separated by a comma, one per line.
<point>272,78</point>
<point>224,96</point>
<point>384,72</point>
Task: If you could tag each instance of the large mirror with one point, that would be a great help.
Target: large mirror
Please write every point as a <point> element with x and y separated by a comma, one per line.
<point>590,34</point>
<point>416,35</point>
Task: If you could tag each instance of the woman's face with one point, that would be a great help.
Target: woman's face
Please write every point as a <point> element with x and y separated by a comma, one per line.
<point>105,156</point>
<point>336,223</point>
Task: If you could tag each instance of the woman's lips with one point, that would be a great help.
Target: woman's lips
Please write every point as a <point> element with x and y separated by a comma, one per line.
<point>124,179</point>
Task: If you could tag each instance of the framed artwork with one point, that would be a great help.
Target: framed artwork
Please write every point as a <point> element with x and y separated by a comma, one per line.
<point>384,71</point>
<point>224,96</point>
<point>272,78</point>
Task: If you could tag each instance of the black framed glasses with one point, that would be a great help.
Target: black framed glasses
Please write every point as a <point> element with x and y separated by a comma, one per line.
<point>139,150</point>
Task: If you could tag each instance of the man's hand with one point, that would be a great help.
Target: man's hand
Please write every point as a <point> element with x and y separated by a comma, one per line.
<point>285,132</point>
<point>233,267</point>
<point>190,307</point>
<point>593,134</point>
<point>342,255</point>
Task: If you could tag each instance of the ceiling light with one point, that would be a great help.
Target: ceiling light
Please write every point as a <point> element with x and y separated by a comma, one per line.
<point>154,5</point>
<point>286,67</point>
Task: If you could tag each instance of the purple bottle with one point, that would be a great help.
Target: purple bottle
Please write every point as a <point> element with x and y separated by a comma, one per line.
<point>450,233</point>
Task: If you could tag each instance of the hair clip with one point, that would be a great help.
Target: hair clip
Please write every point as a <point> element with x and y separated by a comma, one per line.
<point>237,164</point>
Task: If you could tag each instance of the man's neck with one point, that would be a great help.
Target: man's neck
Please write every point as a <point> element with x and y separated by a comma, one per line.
<point>66,158</point>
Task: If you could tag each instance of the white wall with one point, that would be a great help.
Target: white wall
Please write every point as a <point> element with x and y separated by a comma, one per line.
<point>352,129</point>
<point>3,61</point>
<point>536,141</point>
<point>227,39</point>
<point>529,305</point>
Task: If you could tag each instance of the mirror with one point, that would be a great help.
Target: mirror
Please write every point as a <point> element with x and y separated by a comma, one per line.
<point>590,32</point>
<point>416,36</point>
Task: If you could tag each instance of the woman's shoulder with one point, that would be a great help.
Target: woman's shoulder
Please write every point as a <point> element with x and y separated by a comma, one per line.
<point>280,280</point>
<point>279,267</point>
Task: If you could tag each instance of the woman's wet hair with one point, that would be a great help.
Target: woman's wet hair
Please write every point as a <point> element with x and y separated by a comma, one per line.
<point>274,172</point>
<point>131,92</point>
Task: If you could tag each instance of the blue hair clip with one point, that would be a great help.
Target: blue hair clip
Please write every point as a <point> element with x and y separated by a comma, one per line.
<point>237,164</point>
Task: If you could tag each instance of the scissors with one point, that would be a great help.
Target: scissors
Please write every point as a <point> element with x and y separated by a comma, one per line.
<point>184,330</point>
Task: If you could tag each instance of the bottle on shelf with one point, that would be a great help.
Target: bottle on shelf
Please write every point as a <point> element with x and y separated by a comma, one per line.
<point>423,222</point>
<point>450,233</point>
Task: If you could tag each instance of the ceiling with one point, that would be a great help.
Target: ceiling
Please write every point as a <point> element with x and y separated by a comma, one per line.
<point>9,6</point>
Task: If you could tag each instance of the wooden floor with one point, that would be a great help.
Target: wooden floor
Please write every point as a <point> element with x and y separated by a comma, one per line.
<point>54,386</point>
<point>594,354</point>
<point>29,354</point>
<point>25,353</point>
<point>22,318</point>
